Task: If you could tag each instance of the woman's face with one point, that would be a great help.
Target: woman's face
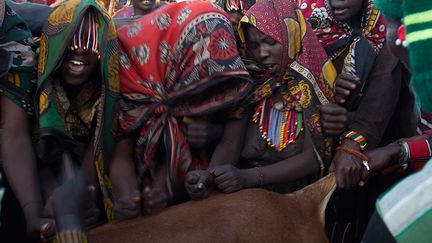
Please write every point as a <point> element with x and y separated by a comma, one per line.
<point>346,9</point>
<point>264,49</point>
<point>78,66</point>
<point>142,7</point>
<point>398,51</point>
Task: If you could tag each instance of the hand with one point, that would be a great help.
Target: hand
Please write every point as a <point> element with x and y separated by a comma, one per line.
<point>154,200</point>
<point>347,167</point>
<point>383,158</point>
<point>228,178</point>
<point>128,206</point>
<point>345,83</point>
<point>334,119</point>
<point>37,225</point>
<point>198,184</point>
<point>42,228</point>
<point>200,133</point>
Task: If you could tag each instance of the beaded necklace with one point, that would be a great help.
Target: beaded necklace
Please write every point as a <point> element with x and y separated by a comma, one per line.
<point>278,126</point>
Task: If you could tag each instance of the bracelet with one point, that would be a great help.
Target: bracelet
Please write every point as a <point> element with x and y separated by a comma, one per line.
<point>261,176</point>
<point>354,152</point>
<point>404,153</point>
<point>419,149</point>
<point>352,135</point>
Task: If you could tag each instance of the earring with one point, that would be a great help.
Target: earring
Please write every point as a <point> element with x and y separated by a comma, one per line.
<point>401,34</point>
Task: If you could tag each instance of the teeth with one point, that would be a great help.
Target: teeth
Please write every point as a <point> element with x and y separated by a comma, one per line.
<point>76,62</point>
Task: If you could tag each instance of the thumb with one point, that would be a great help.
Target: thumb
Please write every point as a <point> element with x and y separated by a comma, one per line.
<point>202,182</point>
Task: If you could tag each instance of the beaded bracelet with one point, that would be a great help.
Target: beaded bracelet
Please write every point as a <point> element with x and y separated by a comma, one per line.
<point>356,137</point>
<point>354,152</point>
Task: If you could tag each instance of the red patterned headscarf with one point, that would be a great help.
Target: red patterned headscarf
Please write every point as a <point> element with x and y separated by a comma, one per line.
<point>362,45</point>
<point>178,61</point>
<point>303,58</point>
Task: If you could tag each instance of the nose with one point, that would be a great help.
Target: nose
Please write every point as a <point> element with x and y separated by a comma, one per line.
<point>263,53</point>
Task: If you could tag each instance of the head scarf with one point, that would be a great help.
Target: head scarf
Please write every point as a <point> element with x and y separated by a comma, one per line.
<point>363,44</point>
<point>188,66</point>
<point>236,5</point>
<point>56,38</point>
<point>303,56</point>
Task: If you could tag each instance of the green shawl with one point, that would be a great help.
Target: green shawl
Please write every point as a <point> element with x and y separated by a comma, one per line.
<point>55,39</point>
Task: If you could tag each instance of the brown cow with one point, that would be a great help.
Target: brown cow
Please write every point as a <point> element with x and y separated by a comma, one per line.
<point>251,215</point>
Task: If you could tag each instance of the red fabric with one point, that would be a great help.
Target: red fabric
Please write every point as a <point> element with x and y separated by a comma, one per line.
<point>330,30</point>
<point>269,17</point>
<point>180,60</point>
<point>419,149</point>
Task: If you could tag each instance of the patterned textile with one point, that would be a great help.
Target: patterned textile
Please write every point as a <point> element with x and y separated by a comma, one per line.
<point>236,5</point>
<point>306,73</point>
<point>53,106</point>
<point>187,66</point>
<point>362,45</point>
<point>16,39</point>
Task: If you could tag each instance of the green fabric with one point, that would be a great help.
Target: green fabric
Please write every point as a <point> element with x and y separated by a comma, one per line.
<point>406,208</point>
<point>390,8</point>
<point>15,38</point>
<point>420,48</point>
<point>55,39</point>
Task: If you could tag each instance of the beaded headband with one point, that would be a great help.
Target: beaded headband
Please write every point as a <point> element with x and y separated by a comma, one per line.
<point>86,35</point>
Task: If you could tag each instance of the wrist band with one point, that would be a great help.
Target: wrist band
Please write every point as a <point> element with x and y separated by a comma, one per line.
<point>419,149</point>
<point>261,176</point>
<point>352,135</point>
<point>351,151</point>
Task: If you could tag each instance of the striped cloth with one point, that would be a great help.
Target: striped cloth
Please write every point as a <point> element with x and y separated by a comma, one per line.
<point>406,209</point>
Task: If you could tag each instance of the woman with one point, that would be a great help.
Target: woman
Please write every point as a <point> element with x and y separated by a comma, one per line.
<point>188,67</point>
<point>75,97</point>
<point>284,148</point>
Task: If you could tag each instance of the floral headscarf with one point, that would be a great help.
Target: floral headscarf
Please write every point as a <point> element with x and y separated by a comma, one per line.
<point>187,66</point>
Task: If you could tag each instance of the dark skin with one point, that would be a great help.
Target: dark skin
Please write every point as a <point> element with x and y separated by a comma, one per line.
<point>382,160</point>
<point>143,7</point>
<point>227,177</point>
<point>347,10</point>
<point>21,168</point>
<point>128,199</point>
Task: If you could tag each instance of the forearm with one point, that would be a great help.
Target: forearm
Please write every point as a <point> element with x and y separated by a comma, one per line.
<point>291,169</point>
<point>21,170</point>
<point>229,149</point>
<point>122,169</point>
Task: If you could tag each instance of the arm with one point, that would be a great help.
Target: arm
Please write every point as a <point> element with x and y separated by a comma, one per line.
<point>230,179</point>
<point>124,181</point>
<point>20,167</point>
<point>199,182</point>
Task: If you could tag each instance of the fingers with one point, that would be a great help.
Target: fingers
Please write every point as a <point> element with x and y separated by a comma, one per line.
<point>345,84</point>
<point>154,199</point>
<point>47,230</point>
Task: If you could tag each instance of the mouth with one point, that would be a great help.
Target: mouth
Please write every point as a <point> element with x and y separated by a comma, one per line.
<point>75,67</point>
<point>340,11</point>
<point>147,2</point>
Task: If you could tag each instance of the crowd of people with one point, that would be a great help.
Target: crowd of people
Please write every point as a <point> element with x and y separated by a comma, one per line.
<point>108,115</point>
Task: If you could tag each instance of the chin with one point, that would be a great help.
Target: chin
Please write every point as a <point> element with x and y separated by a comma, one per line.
<point>73,81</point>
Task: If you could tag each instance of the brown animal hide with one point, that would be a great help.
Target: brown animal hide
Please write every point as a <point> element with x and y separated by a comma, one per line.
<point>251,215</point>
